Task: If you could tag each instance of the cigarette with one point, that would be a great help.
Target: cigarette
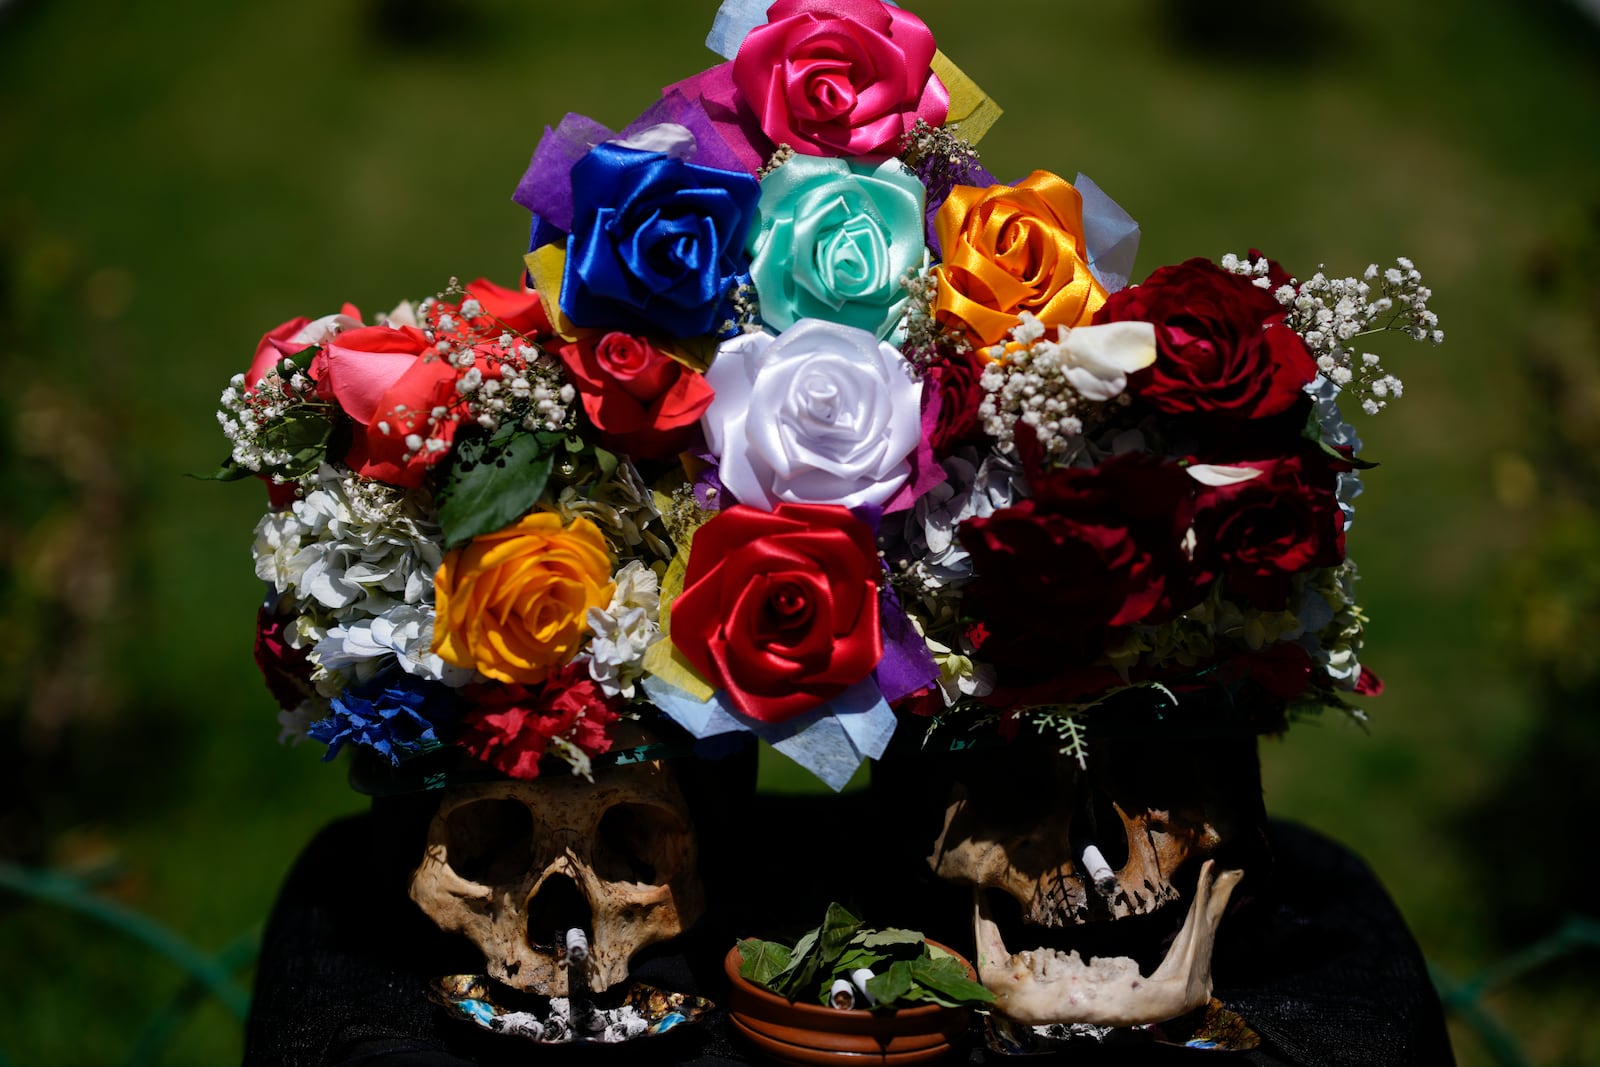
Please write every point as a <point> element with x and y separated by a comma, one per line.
<point>859,978</point>
<point>1100,872</point>
<point>577,945</point>
<point>841,996</point>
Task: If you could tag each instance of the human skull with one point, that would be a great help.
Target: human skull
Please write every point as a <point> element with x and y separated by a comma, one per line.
<point>515,865</point>
<point>1129,835</point>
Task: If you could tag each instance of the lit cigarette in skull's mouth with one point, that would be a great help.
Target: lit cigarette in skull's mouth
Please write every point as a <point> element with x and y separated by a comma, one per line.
<point>1099,871</point>
<point>577,945</point>
<point>1045,985</point>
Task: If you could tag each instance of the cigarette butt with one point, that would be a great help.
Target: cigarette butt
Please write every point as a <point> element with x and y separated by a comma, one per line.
<point>859,978</point>
<point>841,996</point>
<point>1099,871</point>
<point>577,945</point>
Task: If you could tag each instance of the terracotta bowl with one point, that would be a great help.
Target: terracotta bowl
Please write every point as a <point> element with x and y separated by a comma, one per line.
<point>805,1033</point>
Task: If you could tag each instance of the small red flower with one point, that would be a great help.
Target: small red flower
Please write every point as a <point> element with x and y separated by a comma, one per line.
<point>510,727</point>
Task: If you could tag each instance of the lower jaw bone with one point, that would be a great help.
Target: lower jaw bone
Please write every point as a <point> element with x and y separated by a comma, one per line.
<point>1046,986</point>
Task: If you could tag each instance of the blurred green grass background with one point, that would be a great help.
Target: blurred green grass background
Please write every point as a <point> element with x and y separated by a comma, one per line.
<point>179,177</point>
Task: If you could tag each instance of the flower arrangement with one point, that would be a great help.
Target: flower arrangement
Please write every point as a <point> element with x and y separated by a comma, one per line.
<point>804,425</point>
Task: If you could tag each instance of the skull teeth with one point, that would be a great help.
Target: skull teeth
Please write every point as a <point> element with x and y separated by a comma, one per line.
<point>1043,986</point>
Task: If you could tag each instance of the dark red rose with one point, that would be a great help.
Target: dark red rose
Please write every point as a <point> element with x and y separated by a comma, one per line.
<point>641,400</point>
<point>286,670</point>
<point>950,398</point>
<point>1257,534</point>
<point>781,608</point>
<point>1282,669</point>
<point>1096,548</point>
<point>510,726</point>
<point>1221,346</point>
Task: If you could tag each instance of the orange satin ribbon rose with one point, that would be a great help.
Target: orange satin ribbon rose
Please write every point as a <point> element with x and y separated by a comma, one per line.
<point>1010,249</point>
<point>513,603</point>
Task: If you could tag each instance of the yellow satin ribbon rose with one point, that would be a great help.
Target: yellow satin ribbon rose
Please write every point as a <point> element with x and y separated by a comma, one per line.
<point>513,603</point>
<point>1009,249</point>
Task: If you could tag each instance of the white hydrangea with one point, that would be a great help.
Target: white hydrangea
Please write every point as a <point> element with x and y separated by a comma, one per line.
<point>625,630</point>
<point>294,722</point>
<point>362,647</point>
<point>355,559</point>
<point>972,489</point>
<point>959,674</point>
<point>350,543</point>
<point>1335,431</point>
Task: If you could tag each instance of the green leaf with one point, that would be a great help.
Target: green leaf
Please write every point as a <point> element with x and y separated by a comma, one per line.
<point>946,977</point>
<point>1355,461</point>
<point>888,936</point>
<point>802,954</point>
<point>856,957</point>
<point>761,960</point>
<point>892,985</point>
<point>839,926</point>
<point>228,472</point>
<point>492,484</point>
<point>1313,432</point>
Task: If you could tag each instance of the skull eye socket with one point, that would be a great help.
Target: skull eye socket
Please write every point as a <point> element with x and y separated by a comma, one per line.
<point>490,841</point>
<point>639,843</point>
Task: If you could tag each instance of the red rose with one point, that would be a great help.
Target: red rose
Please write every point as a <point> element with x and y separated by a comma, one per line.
<point>1221,346</point>
<point>389,382</point>
<point>295,336</point>
<point>642,400</point>
<point>950,398</point>
<point>1257,534</point>
<point>519,310</point>
<point>1096,548</point>
<point>510,727</point>
<point>286,670</point>
<point>839,77</point>
<point>781,608</point>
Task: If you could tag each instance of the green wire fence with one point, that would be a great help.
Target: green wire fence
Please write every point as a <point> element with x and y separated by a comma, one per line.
<point>209,976</point>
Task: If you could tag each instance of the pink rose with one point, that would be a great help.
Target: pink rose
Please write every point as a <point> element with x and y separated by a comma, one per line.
<point>295,336</point>
<point>390,381</point>
<point>839,77</point>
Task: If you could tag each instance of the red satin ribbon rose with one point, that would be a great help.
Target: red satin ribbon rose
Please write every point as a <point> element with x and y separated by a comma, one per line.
<point>642,401</point>
<point>780,608</point>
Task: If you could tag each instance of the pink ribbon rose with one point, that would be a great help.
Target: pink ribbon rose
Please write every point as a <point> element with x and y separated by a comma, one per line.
<point>390,382</point>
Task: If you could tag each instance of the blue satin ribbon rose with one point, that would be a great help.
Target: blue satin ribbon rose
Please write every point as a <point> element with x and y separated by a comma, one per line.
<point>657,244</point>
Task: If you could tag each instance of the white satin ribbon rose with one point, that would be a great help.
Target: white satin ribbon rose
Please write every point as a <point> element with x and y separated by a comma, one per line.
<point>820,414</point>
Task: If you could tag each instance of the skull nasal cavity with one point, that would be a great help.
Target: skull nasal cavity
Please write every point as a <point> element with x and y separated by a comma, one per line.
<point>557,907</point>
<point>639,843</point>
<point>490,840</point>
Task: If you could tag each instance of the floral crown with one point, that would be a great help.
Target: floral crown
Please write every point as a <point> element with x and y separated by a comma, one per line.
<point>804,425</point>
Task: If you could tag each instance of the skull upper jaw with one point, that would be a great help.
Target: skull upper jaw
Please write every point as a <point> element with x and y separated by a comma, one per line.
<point>512,865</point>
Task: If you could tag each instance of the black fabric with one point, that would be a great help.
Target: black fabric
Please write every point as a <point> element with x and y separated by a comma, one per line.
<point>1313,954</point>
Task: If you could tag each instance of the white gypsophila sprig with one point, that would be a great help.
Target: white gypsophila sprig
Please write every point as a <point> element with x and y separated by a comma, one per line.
<point>1055,384</point>
<point>1333,314</point>
<point>924,336</point>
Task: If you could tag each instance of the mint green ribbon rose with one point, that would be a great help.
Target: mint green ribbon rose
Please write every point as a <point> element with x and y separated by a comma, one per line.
<point>832,240</point>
